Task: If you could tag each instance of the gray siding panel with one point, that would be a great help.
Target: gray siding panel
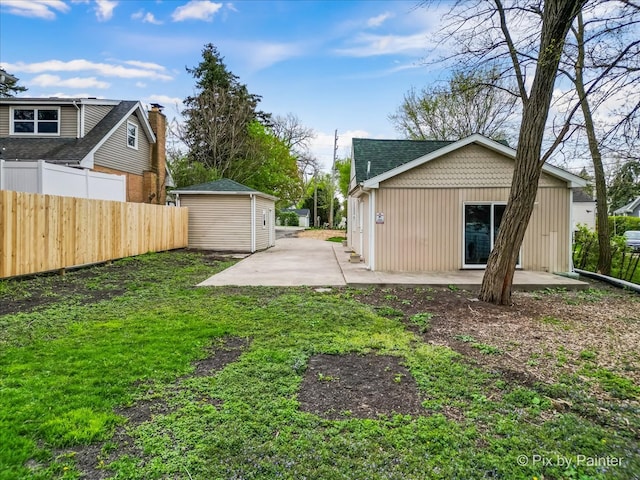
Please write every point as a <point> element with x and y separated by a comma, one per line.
<point>68,121</point>
<point>4,121</point>
<point>116,154</point>
<point>93,114</point>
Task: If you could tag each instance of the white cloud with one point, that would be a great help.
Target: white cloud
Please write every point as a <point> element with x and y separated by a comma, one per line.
<point>45,9</point>
<point>165,100</point>
<point>263,55</point>
<point>147,17</point>
<point>231,6</point>
<point>78,65</point>
<point>104,9</point>
<point>149,65</point>
<point>378,20</point>
<point>196,10</point>
<point>68,95</point>
<point>141,85</point>
<point>47,80</point>
<point>369,45</point>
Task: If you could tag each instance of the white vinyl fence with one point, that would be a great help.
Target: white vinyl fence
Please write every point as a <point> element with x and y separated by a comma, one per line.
<point>50,179</point>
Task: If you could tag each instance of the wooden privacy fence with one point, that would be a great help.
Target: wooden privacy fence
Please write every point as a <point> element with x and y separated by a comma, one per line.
<point>39,233</point>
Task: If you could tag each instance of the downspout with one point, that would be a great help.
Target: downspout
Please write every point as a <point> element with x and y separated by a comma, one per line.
<point>571,267</point>
<point>372,230</point>
<point>79,128</point>
<point>253,222</point>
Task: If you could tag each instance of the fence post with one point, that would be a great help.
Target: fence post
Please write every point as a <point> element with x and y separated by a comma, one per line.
<point>86,183</point>
<point>40,175</point>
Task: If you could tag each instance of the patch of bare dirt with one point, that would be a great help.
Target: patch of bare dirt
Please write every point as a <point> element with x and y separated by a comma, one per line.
<point>360,386</point>
<point>321,234</point>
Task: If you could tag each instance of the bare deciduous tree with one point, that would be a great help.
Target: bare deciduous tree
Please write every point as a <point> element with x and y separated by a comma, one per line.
<point>475,102</point>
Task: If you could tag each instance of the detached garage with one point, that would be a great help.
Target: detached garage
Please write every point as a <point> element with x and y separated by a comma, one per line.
<point>227,216</point>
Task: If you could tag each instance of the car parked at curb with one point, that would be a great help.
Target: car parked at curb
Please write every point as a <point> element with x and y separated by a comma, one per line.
<point>632,239</point>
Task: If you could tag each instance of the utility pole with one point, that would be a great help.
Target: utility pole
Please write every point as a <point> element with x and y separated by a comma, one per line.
<point>333,171</point>
<point>315,199</point>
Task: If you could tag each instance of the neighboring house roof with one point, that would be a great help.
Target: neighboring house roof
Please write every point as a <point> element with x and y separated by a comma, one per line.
<point>301,212</point>
<point>224,186</point>
<point>580,196</point>
<point>72,151</point>
<point>629,207</point>
<point>388,158</point>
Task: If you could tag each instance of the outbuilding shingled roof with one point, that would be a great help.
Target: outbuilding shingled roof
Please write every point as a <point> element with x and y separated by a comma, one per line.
<point>222,185</point>
<point>386,155</point>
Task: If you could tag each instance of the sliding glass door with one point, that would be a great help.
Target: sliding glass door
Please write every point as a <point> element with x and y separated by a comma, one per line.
<point>481,224</point>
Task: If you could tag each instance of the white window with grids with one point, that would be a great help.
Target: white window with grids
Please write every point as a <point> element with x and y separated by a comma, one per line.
<point>35,121</point>
<point>132,135</point>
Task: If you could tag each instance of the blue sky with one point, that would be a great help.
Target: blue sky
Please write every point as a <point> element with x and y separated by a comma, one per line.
<point>341,65</point>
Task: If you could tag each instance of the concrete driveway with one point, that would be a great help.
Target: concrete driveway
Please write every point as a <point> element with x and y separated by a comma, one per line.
<point>303,261</point>
<point>292,262</point>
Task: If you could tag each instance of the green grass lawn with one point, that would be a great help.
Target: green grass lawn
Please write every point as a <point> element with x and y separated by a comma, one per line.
<point>67,367</point>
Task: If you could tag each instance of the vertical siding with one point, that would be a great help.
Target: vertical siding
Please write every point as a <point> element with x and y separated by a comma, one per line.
<point>93,114</point>
<point>423,228</point>
<point>219,222</point>
<point>4,120</point>
<point>262,231</point>
<point>115,153</point>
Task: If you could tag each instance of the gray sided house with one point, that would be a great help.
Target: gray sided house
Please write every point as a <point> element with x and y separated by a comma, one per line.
<point>227,216</point>
<point>107,136</point>
<point>437,206</point>
<point>631,209</point>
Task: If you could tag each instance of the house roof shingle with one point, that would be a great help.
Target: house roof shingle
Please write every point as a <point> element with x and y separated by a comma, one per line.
<point>222,185</point>
<point>629,207</point>
<point>386,155</point>
<point>580,196</point>
<point>301,212</point>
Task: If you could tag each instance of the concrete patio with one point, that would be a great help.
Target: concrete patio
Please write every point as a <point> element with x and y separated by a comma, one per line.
<point>357,274</point>
<point>299,261</point>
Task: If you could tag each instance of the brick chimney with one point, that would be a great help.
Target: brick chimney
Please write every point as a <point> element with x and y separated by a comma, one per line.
<point>158,122</point>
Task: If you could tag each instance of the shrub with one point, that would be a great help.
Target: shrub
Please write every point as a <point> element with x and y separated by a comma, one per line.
<point>290,219</point>
<point>624,264</point>
<point>619,225</point>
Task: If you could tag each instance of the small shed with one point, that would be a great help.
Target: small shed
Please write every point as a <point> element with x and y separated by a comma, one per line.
<point>303,215</point>
<point>225,215</point>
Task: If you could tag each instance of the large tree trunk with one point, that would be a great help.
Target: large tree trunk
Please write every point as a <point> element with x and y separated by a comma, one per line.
<point>604,241</point>
<point>498,278</point>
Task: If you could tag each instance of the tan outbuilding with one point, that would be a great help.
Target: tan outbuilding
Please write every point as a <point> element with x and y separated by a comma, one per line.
<point>436,206</point>
<point>225,215</point>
